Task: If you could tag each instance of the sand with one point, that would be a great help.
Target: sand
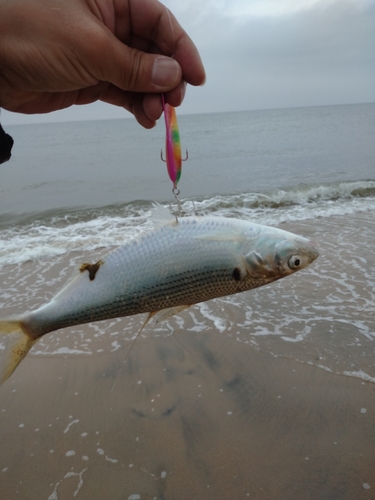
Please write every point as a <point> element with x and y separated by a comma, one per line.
<point>189,416</point>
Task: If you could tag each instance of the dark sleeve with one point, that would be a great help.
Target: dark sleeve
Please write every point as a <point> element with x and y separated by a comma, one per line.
<point>6,144</point>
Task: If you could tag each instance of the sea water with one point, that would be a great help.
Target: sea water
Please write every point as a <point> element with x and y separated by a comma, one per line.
<point>78,190</point>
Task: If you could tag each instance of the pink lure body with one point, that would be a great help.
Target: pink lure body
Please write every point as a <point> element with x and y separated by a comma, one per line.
<point>172,144</point>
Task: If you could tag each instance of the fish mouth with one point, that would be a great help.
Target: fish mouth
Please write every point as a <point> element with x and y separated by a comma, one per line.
<point>313,253</point>
<point>309,250</point>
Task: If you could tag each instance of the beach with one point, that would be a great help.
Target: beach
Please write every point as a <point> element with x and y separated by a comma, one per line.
<point>268,394</point>
<point>192,416</point>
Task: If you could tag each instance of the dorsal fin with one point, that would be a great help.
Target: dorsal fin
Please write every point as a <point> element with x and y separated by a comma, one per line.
<point>161,216</point>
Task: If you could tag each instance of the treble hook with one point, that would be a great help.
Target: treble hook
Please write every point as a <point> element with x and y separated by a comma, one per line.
<point>182,159</point>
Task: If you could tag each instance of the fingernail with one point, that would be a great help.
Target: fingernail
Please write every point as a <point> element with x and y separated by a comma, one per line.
<point>165,72</point>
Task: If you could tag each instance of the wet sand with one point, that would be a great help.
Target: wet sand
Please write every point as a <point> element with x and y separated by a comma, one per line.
<point>189,416</point>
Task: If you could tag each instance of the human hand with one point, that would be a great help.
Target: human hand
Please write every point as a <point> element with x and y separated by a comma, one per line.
<point>56,53</point>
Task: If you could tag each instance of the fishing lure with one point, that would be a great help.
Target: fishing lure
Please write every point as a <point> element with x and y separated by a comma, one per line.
<point>172,146</point>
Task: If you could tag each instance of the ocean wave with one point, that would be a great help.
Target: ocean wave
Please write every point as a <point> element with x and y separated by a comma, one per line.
<point>301,195</point>
<point>53,233</point>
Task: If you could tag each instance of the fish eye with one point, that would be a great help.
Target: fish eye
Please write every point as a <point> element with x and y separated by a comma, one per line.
<point>295,261</point>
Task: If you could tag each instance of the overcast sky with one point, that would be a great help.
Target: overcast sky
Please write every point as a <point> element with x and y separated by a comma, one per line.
<point>262,54</point>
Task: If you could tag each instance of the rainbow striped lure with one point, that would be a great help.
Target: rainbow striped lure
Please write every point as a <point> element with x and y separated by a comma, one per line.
<point>172,145</point>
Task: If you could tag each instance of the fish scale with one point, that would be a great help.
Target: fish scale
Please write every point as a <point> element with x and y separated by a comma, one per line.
<point>178,264</point>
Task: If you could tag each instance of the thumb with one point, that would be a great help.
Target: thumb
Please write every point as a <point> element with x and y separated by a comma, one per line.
<point>133,70</point>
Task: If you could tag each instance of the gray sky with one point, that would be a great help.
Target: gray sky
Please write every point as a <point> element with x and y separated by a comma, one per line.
<point>262,54</point>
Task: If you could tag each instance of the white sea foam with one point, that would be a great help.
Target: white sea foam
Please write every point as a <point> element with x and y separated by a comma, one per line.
<point>62,351</point>
<point>70,424</point>
<point>359,374</point>
<point>51,236</point>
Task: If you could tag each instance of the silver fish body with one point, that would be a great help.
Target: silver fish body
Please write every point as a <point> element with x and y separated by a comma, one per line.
<point>178,264</point>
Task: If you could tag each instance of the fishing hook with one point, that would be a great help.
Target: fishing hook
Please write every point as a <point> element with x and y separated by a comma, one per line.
<point>182,159</point>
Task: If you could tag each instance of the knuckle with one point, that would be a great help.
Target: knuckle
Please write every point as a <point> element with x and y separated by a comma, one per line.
<point>134,71</point>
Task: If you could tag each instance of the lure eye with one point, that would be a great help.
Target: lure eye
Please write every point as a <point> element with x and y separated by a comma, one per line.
<point>295,262</point>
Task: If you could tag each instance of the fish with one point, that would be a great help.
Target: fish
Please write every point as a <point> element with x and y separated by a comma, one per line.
<point>180,262</point>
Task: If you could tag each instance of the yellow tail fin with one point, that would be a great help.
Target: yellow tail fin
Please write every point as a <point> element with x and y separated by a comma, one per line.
<point>14,345</point>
